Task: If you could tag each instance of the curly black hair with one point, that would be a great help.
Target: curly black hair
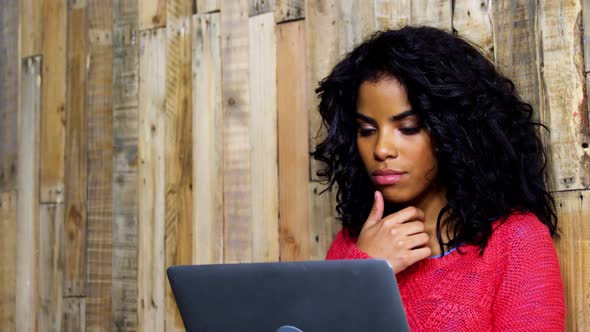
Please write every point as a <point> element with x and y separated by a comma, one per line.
<point>491,160</point>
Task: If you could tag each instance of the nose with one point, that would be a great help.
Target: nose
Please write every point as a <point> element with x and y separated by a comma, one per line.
<point>385,147</point>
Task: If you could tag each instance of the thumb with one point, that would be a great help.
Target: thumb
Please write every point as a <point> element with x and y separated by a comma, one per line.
<point>376,211</point>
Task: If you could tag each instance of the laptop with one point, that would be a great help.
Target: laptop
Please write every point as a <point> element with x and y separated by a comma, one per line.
<point>311,296</point>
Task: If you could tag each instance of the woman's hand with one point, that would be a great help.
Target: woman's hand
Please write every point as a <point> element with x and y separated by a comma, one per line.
<point>398,238</point>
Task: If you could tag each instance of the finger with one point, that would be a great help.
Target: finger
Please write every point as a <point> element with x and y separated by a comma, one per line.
<point>417,240</point>
<point>411,228</point>
<point>408,214</point>
<point>418,254</point>
<point>376,211</point>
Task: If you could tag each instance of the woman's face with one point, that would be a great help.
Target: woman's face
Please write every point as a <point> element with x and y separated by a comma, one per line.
<point>395,147</point>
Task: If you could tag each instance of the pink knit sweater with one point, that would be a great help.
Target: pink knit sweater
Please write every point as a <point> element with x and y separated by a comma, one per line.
<point>514,286</point>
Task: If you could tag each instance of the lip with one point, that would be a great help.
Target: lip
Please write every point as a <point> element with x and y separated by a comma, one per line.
<point>384,177</point>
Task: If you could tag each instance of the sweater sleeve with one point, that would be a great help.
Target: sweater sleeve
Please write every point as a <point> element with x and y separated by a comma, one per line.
<point>344,247</point>
<point>530,293</point>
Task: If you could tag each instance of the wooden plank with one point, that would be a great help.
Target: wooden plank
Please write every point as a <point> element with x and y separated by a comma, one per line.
<point>574,254</point>
<point>237,185</point>
<point>53,117</point>
<point>207,6</point>
<point>152,14</point>
<point>356,22</point>
<point>263,138</point>
<point>74,319</point>
<point>178,138</point>
<point>75,223</point>
<point>125,136</point>
<point>258,7</point>
<point>151,190</point>
<point>27,227</point>
<point>31,14</point>
<point>51,218</point>
<point>434,13</point>
<point>392,14</point>
<point>293,149</point>
<point>289,10</point>
<point>517,48</point>
<point>125,253</point>
<point>208,140</point>
<point>322,54</point>
<point>563,77</point>
<point>8,257</point>
<point>9,71</point>
<point>471,20</point>
<point>99,306</point>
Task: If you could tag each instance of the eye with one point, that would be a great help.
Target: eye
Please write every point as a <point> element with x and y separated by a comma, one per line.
<point>410,130</point>
<point>365,131</point>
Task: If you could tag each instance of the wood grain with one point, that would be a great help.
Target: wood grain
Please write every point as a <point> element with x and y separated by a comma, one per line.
<point>99,131</point>
<point>565,109</point>
<point>435,13</point>
<point>8,257</point>
<point>31,12</point>
<point>293,149</point>
<point>237,184</point>
<point>178,153</point>
<point>322,55</point>
<point>356,22</point>
<point>574,254</point>
<point>471,20</point>
<point>151,14</point>
<point>207,6</point>
<point>27,227</point>
<point>75,223</point>
<point>125,139</point>
<point>517,48</point>
<point>51,267</point>
<point>53,117</point>
<point>74,319</point>
<point>284,10</point>
<point>151,189</point>
<point>392,14</point>
<point>258,7</point>
<point>208,140</point>
<point>263,138</point>
<point>9,71</point>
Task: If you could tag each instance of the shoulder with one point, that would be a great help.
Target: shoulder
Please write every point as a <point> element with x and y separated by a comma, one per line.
<point>519,226</point>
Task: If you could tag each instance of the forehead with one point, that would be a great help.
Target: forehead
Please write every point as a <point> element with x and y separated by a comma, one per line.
<point>385,97</point>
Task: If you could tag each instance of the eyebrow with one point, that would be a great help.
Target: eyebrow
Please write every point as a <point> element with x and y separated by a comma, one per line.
<point>396,117</point>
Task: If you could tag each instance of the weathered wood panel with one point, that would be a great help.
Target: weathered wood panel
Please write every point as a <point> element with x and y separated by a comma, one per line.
<point>435,13</point>
<point>207,6</point>
<point>356,22</point>
<point>9,67</point>
<point>471,20</point>
<point>517,48</point>
<point>53,117</point>
<point>207,140</point>
<point>574,254</point>
<point>258,7</point>
<point>99,131</point>
<point>293,149</point>
<point>178,155</point>
<point>392,14</point>
<point>152,14</point>
<point>151,190</point>
<point>75,165</point>
<point>27,226</point>
<point>8,257</point>
<point>125,139</point>
<point>31,14</point>
<point>322,54</point>
<point>563,77</point>
<point>284,10</point>
<point>237,184</point>
<point>74,319</point>
<point>263,138</point>
<point>50,315</point>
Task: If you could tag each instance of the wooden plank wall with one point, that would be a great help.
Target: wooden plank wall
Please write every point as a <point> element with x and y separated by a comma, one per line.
<point>139,134</point>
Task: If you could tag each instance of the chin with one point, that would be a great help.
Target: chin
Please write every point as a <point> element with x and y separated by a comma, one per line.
<point>395,196</point>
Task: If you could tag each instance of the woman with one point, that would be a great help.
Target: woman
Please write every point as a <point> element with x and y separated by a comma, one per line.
<point>440,171</point>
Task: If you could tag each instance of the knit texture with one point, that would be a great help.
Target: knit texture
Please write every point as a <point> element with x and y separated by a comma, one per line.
<point>515,285</point>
